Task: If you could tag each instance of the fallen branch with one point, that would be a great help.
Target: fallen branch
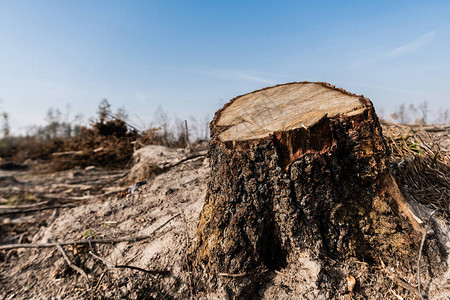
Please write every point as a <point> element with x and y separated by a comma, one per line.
<point>104,261</point>
<point>102,182</point>
<point>69,198</point>
<point>396,295</point>
<point>67,153</point>
<point>107,263</point>
<point>99,281</point>
<point>74,186</point>
<point>188,157</point>
<point>79,270</point>
<point>23,205</point>
<point>85,241</point>
<point>72,198</point>
<point>117,190</point>
<point>23,211</point>
<point>430,128</point>
<point>403,284</point>
<point>117,177</point>
<point>153,272</point>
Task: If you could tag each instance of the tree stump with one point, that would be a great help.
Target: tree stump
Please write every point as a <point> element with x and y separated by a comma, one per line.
<point>293,167</point>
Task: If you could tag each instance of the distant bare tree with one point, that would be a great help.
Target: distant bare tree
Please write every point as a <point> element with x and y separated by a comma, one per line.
<point>121,114</point>
<point>411,114</point>
<point>5,126</point>
<point>180,137</point>
<point>163,121</point>
<point>205,126</point>
<point>423,109</point>
<point>104,110</point>
<point>58,126</point>
<point>53,119</point>
<point>443,116</point>
<point>71,126</point>
<point>193,128</point>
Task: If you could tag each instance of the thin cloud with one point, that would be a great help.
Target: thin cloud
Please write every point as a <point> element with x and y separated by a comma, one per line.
<point>417,43</point>
<point>239,75</point>
<point>255,78</point>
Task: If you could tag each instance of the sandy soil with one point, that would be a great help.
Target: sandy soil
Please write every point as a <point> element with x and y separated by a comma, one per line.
<point>93,204</point>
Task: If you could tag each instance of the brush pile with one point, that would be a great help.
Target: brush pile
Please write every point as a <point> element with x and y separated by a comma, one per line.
<point>107,144</point>
<point>420,159</point>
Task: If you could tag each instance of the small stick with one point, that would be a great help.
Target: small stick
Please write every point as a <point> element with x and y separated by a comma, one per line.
<point>232,275</point>
<point>92,241</point>
<point>403,284</point>
<point>163,272</point>
<point>99,281</point>
<point>104,261</point>
<point>422,242</point>
<point>117,178</point>
<point>23,206</point>
<point>396,295</point>
<point>87,197</point>
<point>68,198</point>
<point>79,270</point>
<point>189,157</point>
<point>67,153</point>
<point>424,235</point>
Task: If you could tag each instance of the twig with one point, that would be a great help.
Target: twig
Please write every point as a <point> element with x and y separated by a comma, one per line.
<point>101,182</point>
<point>117,178</point>
<point>232,275</point>
<point>79,270</point>
<point>69,198</point>
<point>23,206</point>
<point>403,284</point>
<point>74,186</point>
<point>85,241</point>
<point>430,128</point>
<point>424,235</point>
<point>396,295</point>
<point>189,157</point>
<point>104,261</point>
<point>121,119</point>
<point>68,153</point>
<point>99,281</point>
<point>422,242</point>
<point>87,197</point>
<point>118,190</point>
<point>153,272</point>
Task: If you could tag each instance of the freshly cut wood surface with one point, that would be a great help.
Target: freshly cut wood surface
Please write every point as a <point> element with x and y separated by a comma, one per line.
<point>283,108</point>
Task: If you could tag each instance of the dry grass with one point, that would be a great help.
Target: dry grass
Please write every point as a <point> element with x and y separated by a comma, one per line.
<point>421,165</point>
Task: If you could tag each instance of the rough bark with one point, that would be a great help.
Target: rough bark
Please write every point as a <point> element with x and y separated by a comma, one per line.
<point>294,168</point>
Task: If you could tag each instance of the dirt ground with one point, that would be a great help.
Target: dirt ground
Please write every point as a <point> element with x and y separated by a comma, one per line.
<point>149,231</point>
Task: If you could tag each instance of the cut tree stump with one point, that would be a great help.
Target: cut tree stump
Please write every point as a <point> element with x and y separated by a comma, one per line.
<point>298,167</point>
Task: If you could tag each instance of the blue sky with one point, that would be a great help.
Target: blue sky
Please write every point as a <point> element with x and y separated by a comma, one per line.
<point>192,56</point>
